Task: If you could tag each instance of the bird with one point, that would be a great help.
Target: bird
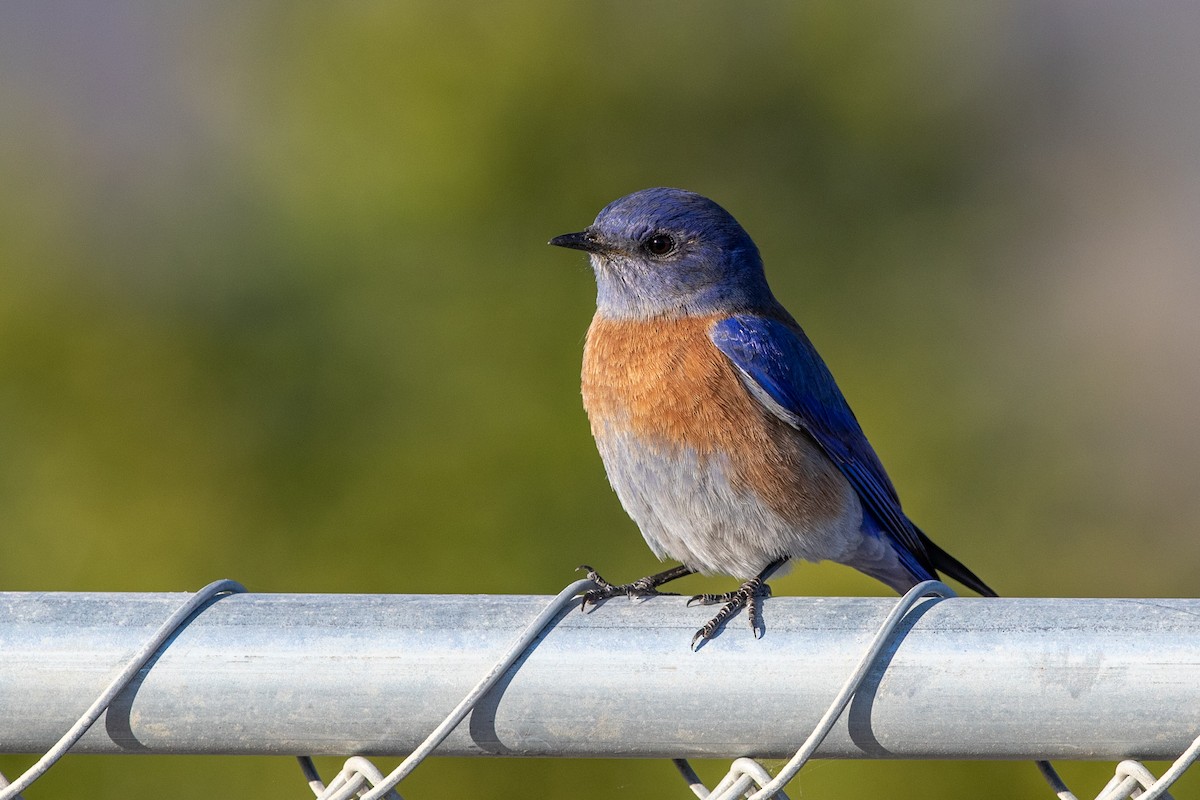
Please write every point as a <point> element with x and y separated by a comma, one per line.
<point>721,429</point>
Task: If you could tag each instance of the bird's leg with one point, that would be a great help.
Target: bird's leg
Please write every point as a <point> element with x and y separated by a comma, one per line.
<point>642,587</point>
<point>745,596</point>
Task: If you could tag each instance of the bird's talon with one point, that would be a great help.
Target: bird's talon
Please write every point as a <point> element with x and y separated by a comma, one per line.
<point>754,612</point>
<point>642,587</point>
<point>703,635</point>
<point>748,596</point>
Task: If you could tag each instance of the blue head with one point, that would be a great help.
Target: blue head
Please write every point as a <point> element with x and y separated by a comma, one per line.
<point>667,252</point>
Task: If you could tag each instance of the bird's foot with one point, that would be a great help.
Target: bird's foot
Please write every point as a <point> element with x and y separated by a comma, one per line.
<point>747,596</point>
<point>642,587</point>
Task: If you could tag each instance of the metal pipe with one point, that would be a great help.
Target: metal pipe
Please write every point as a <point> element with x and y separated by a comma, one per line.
<point>373,674</point>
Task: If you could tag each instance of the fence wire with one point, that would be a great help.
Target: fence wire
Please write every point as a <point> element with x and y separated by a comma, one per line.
<point>746,778</point>
<point>185,613</point>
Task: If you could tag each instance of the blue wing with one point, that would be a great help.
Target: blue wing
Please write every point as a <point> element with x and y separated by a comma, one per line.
<point>783,371</point>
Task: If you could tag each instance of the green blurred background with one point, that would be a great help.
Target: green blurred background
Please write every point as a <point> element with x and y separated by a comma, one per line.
<point>276,303</point>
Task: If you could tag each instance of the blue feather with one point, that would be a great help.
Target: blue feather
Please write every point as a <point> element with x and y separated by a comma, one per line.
<point>783,371</point>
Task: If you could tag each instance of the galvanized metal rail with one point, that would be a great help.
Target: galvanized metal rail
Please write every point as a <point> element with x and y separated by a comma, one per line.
<point>373,674</point>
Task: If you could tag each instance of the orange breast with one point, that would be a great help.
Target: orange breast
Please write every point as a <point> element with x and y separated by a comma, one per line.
<point>665,382</point>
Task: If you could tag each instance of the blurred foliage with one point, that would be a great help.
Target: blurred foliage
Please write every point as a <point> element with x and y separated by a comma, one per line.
<point>277,307</point>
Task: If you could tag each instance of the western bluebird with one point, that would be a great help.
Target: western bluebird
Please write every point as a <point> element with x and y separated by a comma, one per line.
<point>721,429</point>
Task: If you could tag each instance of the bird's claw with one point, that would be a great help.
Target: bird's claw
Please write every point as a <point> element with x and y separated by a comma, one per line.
<point>642,587</point>
<point>749,596</point>
<point>603,590</point>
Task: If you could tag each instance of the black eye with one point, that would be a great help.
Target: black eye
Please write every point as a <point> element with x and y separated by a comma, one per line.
<point>659,244</point>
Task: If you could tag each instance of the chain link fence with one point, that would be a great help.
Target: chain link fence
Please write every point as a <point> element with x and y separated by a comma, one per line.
<point>747,777</point>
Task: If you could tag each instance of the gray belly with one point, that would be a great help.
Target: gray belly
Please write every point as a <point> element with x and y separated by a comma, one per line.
<point>688,510</point>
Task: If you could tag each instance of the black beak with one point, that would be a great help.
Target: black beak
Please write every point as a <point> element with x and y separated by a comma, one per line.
<point>587,241</point>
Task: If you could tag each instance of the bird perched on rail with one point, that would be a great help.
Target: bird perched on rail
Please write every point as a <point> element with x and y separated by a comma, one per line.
<point>721,429</point>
